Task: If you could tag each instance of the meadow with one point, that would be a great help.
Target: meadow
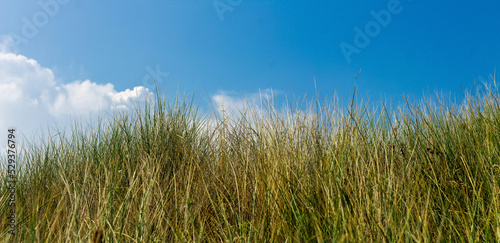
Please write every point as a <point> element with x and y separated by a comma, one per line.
<point>308,171</point>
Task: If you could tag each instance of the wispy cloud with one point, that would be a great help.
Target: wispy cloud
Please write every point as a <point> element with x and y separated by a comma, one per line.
<point>6,44</point>
<point>233,103</point>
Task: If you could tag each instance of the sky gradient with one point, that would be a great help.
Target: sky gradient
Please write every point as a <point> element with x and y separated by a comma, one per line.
<point>233,48</point>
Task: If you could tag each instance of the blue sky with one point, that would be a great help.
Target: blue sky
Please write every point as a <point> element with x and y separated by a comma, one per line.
<point>244,46</point>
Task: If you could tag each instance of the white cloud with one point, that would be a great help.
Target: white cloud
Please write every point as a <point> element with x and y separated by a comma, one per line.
<point>235,105</point>
<point>6,44</point>
<point>230,106</point>
<point>261,111</point>
<point>123,99</point>
<point>32,98</point>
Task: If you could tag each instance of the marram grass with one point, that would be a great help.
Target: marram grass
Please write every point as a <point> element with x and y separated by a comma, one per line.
<point>427,172</point>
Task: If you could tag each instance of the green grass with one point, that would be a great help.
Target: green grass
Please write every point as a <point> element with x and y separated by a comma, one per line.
<point>425,172</point>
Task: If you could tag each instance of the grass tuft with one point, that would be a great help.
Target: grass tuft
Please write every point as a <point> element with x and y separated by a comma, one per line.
<point>427,171</point>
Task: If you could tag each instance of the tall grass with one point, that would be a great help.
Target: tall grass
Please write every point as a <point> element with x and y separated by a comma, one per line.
<point>425,172</point>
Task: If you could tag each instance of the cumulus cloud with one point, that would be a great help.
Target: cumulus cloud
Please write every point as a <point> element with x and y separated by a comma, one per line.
<point>32,97</point>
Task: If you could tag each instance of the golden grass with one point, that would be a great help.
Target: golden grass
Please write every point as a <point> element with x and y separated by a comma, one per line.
<point>324,174</point>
